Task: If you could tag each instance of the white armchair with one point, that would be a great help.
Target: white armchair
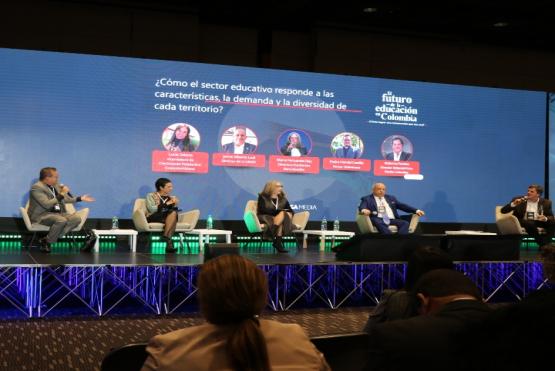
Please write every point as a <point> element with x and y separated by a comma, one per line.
<point>37,228</point>
<point>186,221</point>
<point>507,223</point>
<point>256,228</point>
<point>365,225</point>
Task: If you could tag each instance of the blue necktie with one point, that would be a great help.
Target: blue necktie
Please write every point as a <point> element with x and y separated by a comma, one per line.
<point>385,218</point>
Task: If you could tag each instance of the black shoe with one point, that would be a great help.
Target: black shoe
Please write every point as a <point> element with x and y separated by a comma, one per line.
<point>169,245</point>
<point>44,245</point>
<point>278,245</point>
<point>89,243</point>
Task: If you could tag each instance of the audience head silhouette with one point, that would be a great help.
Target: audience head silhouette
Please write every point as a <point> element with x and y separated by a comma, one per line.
<point>423,260</point>
<point>441,286</point>
<point>232,291</point>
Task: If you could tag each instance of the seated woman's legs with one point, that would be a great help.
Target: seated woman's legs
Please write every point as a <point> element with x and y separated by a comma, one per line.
<point>278,231</point>
<point>170,223</point>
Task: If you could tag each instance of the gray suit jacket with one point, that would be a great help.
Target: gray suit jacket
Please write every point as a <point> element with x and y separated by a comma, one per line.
<point>42,200</point>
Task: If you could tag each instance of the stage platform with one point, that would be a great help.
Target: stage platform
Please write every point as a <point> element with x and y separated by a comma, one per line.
<point>115,281</point>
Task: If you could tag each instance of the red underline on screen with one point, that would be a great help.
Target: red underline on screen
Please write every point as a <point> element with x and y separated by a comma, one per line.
<point>281,106</point>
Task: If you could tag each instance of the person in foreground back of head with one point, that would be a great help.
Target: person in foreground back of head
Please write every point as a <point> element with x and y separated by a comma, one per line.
<point>448,303</point>
<point>397,304</point>
<point>516,336</point>
<point>232,292</point>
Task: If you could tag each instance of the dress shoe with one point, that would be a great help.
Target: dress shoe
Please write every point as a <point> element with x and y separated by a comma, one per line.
<point>278,245</point>
<point>44,245</point>
<point>89,243</point>
<point>169,245</point>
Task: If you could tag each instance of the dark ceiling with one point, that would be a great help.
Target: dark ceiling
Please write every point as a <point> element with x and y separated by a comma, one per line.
<point>522,25</point>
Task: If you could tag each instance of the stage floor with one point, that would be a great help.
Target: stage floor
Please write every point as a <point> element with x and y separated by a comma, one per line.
<point>117,253</point>
<point>68,282</point>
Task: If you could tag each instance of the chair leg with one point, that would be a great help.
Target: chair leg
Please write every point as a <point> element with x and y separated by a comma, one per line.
<point>71,235</point>
<point>297,236</point>
<point>32,240</point>
<point>181,238</point>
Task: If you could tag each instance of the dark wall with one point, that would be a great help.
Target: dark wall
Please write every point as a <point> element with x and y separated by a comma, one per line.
<point>174,34</point>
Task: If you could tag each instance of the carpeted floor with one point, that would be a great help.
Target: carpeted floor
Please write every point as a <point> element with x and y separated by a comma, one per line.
<point>80,344</point>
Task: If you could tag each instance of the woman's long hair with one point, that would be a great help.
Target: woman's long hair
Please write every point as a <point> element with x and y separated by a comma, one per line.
<point>299,143</point>
<point>233,291</point>
<point>269,189</point>
<point>182,144</point>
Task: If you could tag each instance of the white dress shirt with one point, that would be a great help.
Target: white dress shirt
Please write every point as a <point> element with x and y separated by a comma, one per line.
<point>381,201</point>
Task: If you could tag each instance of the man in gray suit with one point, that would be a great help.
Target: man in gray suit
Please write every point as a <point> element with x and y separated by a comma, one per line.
<point>47,206</point>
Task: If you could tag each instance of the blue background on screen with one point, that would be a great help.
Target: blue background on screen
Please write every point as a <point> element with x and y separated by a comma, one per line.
<point>93,118</point>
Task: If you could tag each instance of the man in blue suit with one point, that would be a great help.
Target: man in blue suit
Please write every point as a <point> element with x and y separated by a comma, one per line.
<point>382,210</point>
<point>239,145</point>
<point>347,151</point>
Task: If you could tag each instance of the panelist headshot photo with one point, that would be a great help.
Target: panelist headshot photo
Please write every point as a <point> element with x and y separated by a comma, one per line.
<point>180,137</point>
<point>239,140</point>
<point>397,148</point>
<point>347,145</point>
<point>294,143</point>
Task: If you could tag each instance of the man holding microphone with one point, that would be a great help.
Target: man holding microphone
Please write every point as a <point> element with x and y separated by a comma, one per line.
<point>47,206</point>
<point>533,212</point>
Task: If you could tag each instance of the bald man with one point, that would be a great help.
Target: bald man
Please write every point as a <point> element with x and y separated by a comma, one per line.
<point>382,210</point>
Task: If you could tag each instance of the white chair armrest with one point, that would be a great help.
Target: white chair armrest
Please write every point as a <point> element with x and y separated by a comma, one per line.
<point>25,217</point>
<point>139,219</point>
<point>252,222</point>
<point>83,214</point>
<point>413,222</point>
<point>365,224</point>
<point>190,217</point>
<point>508,224</point>
<point>300,220</point>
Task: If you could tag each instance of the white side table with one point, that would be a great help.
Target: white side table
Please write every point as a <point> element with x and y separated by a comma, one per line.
<point>323,235</point>
<point>204,236</point>
<point>116,232</point>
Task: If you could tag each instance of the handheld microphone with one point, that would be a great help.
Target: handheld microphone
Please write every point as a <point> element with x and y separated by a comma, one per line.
<point>69,193</point>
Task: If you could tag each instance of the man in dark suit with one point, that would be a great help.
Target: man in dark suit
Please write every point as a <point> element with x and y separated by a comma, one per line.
<point>449,303</point>
<point>239,145</point>
<point>513,337</point>
<point>347,151</point>
<point>382,210</point>
<point>47,206</point>
<point>533,212</point>
<point>397,153</point>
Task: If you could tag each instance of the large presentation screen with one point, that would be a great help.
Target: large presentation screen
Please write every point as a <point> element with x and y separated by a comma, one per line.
<point>113,125</point>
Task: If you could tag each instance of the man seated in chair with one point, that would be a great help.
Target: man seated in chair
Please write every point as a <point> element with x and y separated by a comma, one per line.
<point>533,212</point>
<point>47,206</point>
<point>382,210</point>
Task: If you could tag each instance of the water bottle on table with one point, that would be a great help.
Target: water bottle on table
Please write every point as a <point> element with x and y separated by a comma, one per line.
<point>336,224</point>
<point>115,223</point>
<point>209,222</point>
<point>324,225</point>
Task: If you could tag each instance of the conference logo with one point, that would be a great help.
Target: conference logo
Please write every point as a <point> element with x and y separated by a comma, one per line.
<point>395,110</point>
<point>304,207</point>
